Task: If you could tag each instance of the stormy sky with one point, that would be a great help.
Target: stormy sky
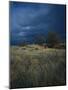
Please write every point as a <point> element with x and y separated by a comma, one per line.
<point>30,19</point>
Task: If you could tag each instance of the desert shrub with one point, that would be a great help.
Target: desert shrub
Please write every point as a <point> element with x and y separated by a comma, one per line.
<point>36,48</point>
<point>60,46</point>
<point>23,48</point>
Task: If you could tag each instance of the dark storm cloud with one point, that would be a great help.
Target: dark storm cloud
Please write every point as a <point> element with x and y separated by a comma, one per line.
<point>29,19</point>
<point>31,16</point>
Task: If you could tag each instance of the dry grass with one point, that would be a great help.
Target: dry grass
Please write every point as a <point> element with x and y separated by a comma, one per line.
<point>34,65</point>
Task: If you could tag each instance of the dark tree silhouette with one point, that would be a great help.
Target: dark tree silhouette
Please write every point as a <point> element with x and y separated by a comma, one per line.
<point>52,39</point>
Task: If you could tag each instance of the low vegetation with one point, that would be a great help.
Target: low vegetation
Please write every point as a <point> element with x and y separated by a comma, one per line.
<point>34,65</point>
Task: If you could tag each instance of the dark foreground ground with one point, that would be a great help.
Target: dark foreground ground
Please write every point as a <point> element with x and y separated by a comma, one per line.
<point>35,66</point>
